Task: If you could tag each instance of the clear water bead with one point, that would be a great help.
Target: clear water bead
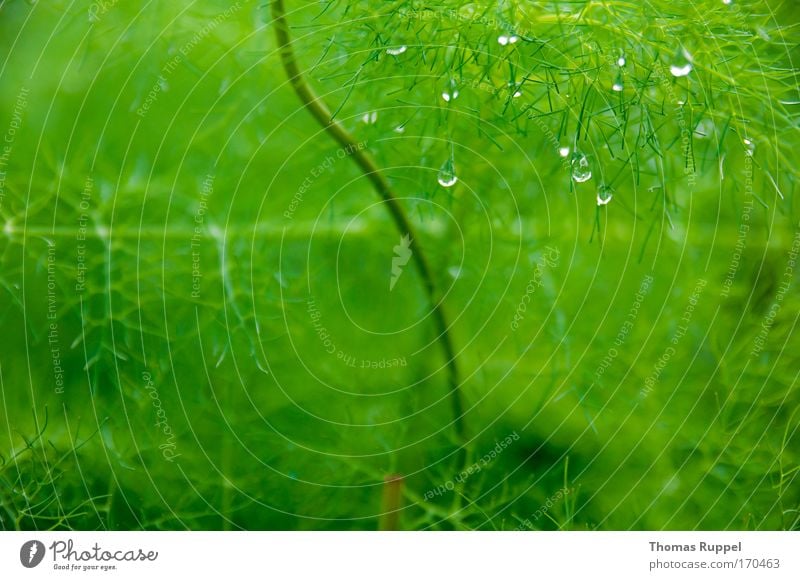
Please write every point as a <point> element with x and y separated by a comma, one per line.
<point>451,92</point>
<point>604,194</point>
<point>580,167</point>
<point>682,64</point>
<point>447,173</point>
<point>396,50</point>
<point>618,85</point>
<point>680,70</point>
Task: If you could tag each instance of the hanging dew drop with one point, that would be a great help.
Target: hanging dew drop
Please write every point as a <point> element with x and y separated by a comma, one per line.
<point>618,85</point>
<point>370,117</point>
<point>682,64</point>
<point>749,146</point>
<point>680,70</point>
<point>451,92</point>
<point>580,167</point>
<point>604,194</point>
<point>621,61</point>
<point>447,173</point>
<point>397,50</point>
<point>563,151</point>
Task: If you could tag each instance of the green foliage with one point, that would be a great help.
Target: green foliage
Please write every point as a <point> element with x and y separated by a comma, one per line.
<point>201,244</point>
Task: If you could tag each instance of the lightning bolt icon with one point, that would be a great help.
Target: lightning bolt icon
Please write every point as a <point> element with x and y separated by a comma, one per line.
<point>33,551</point>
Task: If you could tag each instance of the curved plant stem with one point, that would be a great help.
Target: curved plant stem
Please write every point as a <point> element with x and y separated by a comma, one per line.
<point>372,172</point>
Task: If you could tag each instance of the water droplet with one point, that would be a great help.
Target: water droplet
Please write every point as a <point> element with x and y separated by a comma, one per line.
<point>682,64</point>
<point>400,129</point>
<point>451,92</point>
<point>621,61</point>
<point>618,84</point>
<point>749,146</point>
<point>396,50</point>
<point>604,194</point>
<point>727,2</point>
<point>563,151</point>
<point>455,272</point>
<point>447,173</point>
<point>504,40</point>
<point>580,167</point>
<point>680,70</point>
<point>370,117</point>
<point>517,94</point>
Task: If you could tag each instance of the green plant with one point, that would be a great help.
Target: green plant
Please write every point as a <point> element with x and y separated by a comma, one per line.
<point>195,266</point>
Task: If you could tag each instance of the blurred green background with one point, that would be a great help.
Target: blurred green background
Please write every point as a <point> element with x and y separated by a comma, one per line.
<point>198,327</point>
